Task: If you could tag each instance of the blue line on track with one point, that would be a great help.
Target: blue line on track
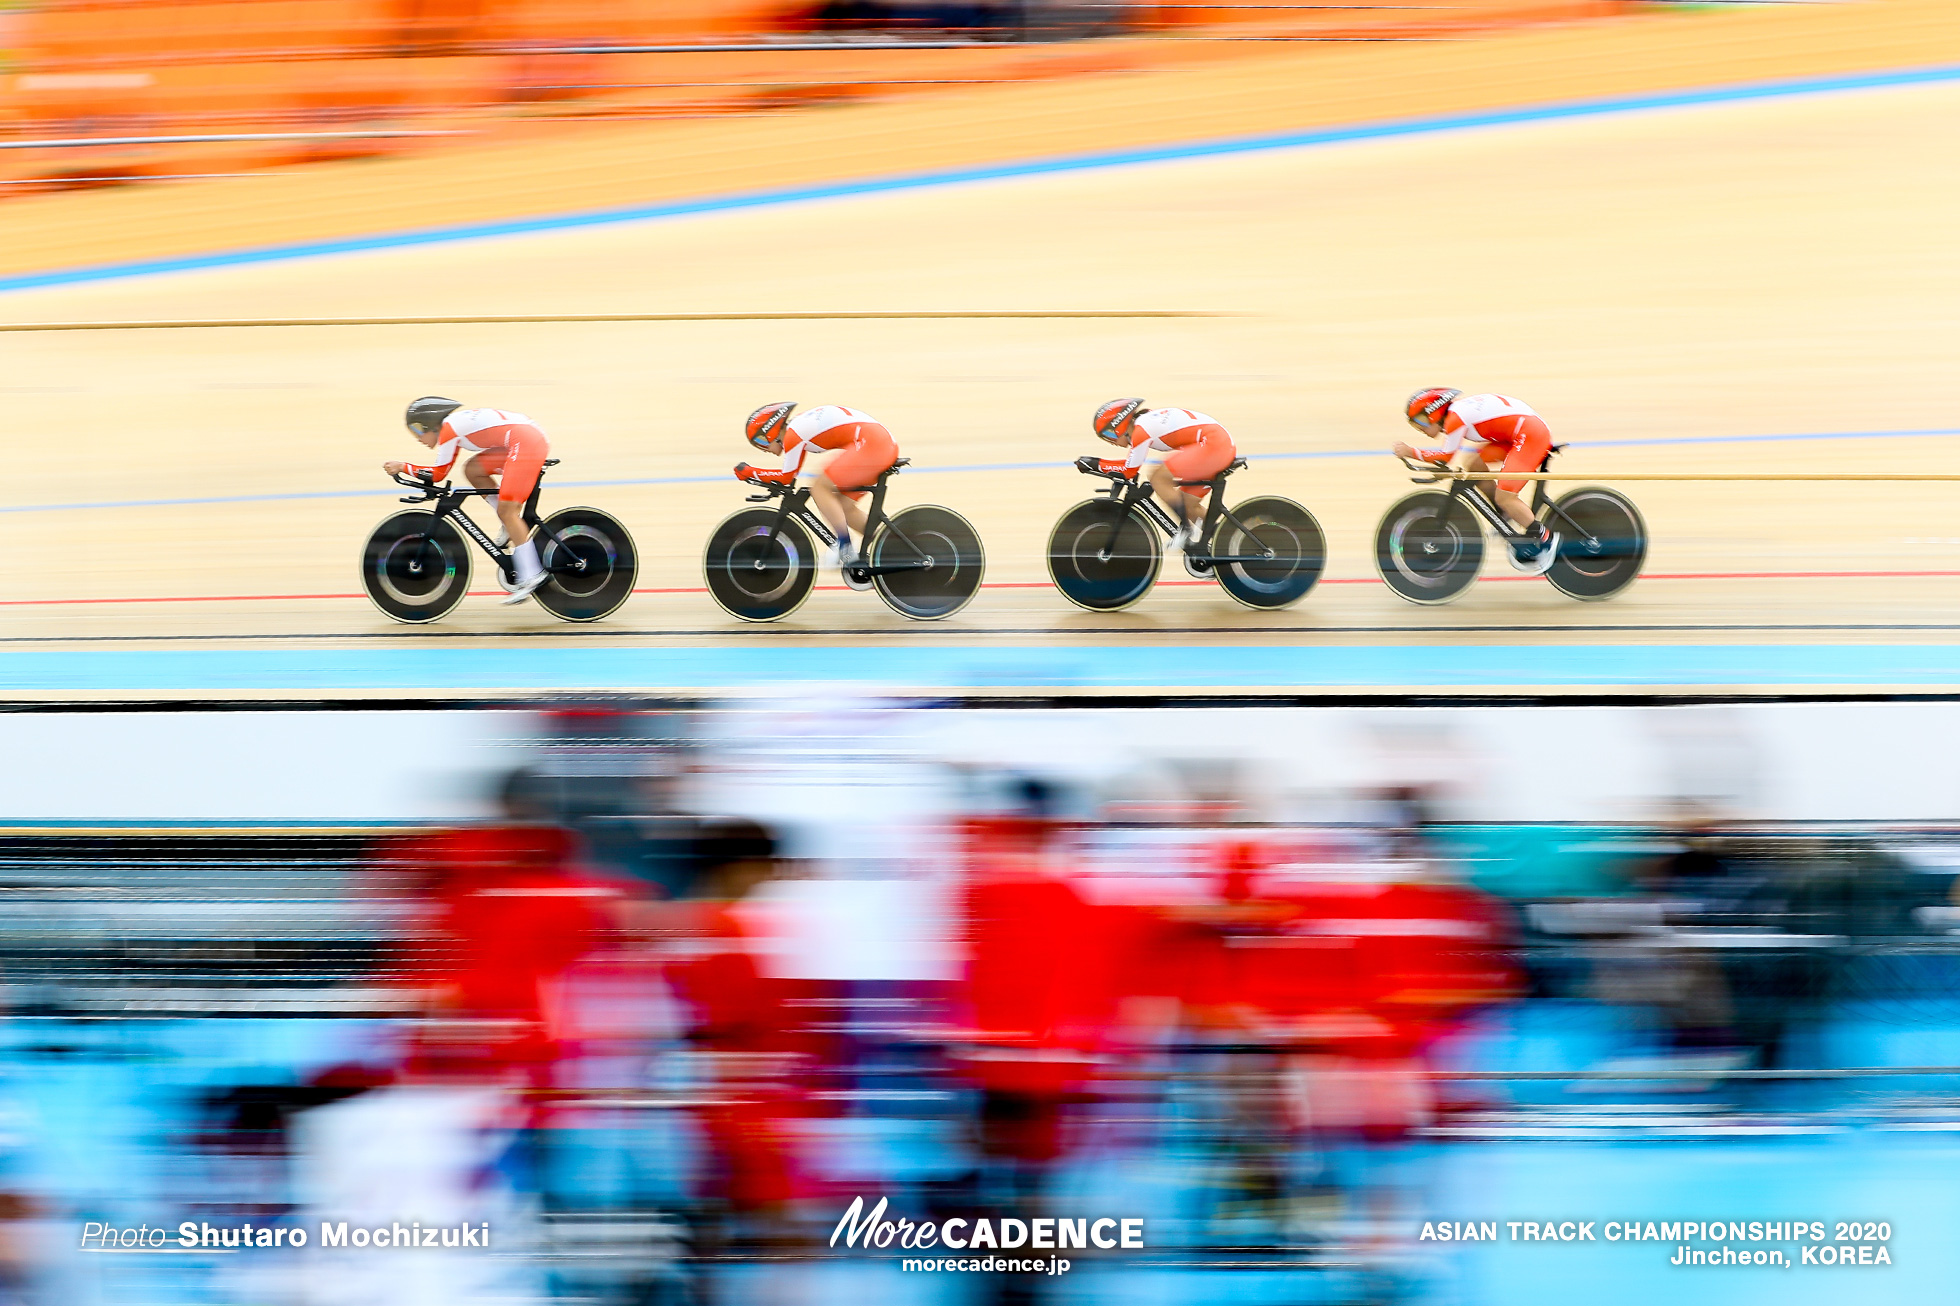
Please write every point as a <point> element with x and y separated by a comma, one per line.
<point>971,467</point>
<point>1589,108</point>
<point>963,667</point>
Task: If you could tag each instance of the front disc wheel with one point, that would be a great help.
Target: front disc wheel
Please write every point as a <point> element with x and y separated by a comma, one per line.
<point>416,567</point>
<point>1429,547</point>
<point>760,566</point>
<point>1103,556</point>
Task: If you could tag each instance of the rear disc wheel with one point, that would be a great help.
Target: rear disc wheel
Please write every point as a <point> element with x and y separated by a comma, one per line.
<point>941,558</point>
<point>1271,526</point>
<point>1606,552</point>
<point>592,563</point>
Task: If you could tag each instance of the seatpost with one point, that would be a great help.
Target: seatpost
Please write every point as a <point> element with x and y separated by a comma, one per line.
<point>877,513</point>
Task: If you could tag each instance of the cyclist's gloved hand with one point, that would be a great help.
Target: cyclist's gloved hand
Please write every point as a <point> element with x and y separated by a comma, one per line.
<point>743,471</point>
<point>758,476</point>
<point>1087,462</point>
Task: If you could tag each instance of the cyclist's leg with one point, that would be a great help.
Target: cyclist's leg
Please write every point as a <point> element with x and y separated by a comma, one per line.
<point>1194,462</point>
<point>831,505</point>
<point>522,464</point>
<point>1524,457</point>
<point>524,457</point>
<point>482,468</point>
<point>1164,482</point>
<point>482,471</point>
<point>857,464</point>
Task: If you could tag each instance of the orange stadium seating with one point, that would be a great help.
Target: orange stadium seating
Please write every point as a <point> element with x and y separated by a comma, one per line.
<point>164,68</point>
<point>1370,21</point>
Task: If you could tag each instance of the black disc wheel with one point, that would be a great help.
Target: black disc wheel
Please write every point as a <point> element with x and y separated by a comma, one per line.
<point>592,564</point>
<point>937,559</point>
<point>1429,547</point>
<point>1273,554</point>
<point>1602,543</point>
<point>757,571</point>
<point>1103,556</point>
<point>416,567</point>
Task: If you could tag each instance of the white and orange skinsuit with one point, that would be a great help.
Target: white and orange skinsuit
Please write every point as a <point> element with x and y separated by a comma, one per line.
<point>503,441</point>
<point>1192,446</point>
<point>1501,430</point>
<point>862,447</point>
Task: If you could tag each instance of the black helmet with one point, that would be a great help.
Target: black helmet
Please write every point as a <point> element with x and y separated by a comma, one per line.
<point>426,414</point>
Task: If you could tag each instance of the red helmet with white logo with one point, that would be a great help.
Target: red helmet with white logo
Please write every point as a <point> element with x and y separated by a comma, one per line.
<point>765,426</point>
<point>1430,406</point>
<point>1115,418</point>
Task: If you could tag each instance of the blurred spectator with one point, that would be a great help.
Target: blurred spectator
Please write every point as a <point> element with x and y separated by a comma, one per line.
<point>757,1053</point>
<point>971,19</point>
<point>511,910</point>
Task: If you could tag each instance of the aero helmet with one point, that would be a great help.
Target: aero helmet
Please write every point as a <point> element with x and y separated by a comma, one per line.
<point>765,425</point>
<point>427,414</point>
<point>1115,418</point>
<point>1429,405</point>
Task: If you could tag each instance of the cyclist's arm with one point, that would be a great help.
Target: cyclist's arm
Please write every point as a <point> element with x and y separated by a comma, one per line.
<point>793,456</point>
<point>1140,452</point>
<point>1452,441</point>
<point>446,458</point>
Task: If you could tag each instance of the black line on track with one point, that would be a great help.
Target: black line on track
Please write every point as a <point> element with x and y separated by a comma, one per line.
<point>974,702</point>
<point>1046,631</point>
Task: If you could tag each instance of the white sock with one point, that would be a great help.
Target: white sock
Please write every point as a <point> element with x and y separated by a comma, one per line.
<point>528,565</point>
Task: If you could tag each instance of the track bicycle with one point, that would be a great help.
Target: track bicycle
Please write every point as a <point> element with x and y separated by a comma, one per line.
<point>416,566</point>
<point>1429,546</point>
<point>925,561</point>
<point>1105,552</point>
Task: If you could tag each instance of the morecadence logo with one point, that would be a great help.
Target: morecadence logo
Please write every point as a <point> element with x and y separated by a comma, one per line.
<point>963,1234</point>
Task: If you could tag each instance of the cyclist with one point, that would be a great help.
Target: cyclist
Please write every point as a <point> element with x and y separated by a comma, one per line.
<point>832,450</point>
<point>1176,444</point>
<point>506,454</point>
<point>1485,432</point>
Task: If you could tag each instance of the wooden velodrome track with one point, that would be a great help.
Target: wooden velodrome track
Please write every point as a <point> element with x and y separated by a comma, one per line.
<point>1757,283</point>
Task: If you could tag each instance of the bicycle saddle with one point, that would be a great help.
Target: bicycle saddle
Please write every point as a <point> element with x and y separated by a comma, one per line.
<point>1213,480</point>
<point>860,489</point>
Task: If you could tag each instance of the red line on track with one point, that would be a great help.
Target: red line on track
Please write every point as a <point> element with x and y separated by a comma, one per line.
<point>1004,585</point>
<point>180,598</point>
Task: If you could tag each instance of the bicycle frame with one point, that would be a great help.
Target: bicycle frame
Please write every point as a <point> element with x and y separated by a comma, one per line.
<point>1140,496</point>
<point>449,503</point>
<point>796,504</point>
<point>1484,504</point>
